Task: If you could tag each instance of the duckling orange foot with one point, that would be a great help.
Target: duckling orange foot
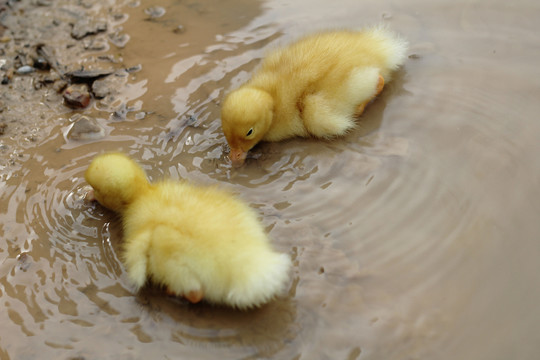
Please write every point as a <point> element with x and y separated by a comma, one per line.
<point>380,86</point>
<point>360,109</point>
<point>169,292</point>
<point>194,296</point>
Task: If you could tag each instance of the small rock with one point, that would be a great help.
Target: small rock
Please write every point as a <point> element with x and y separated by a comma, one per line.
<point>155,11</point>
<point>19,61</point>
<point>23,261</point>
<point>7,76</point>
<point>108,85</point>
<point>26,69</point>
<point>3,127</point>
<point>38,85</point>
<point>84,28</point>
<point>93,44</point>
<point>119,40</point>
<point>41,63</point>
<point>51,77</point>
<point>179,29</point>
<point>77,96</point>
<point>120,114</point>
<point>134,69</point>
<point>48,53</point>
<point>88,75</point>
<point>59,85</point>
<point>102,88</point>
<point>86,128</point>
<point>120,17</point>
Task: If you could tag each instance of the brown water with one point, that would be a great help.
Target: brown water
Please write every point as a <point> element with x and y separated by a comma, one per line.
<point>414,237</point>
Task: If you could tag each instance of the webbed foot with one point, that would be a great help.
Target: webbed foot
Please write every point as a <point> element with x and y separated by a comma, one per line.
<point>380,86</point>
<point>193,297</point>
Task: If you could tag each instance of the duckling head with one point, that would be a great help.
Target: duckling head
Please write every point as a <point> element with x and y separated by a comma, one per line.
<point>246,116</point>
<point>116,180</point>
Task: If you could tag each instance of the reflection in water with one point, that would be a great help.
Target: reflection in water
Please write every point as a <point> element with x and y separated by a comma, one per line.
<point>415,236</point>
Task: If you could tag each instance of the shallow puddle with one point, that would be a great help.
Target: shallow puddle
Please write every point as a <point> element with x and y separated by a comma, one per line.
<point>413,237</point>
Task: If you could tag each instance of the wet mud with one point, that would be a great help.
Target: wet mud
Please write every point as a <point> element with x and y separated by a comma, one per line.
<point>413,237</point>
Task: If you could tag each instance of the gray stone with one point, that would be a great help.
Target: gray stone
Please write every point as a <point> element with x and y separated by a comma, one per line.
<point>86,128</point>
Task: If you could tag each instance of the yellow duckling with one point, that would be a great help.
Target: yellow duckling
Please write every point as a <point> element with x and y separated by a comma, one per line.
<point>313,87</point>
<point>199,242</point>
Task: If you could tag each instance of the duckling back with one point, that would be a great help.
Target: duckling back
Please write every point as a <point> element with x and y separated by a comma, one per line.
<point>329,54</point>
<point>319,81</point>
<point>202,240</point>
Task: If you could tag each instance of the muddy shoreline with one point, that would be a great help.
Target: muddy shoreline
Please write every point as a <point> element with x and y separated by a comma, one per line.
<point>57,60</point>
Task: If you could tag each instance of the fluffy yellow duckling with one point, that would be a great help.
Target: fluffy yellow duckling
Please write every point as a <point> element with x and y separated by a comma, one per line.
<point>313,87</point>
<point>199,242</point>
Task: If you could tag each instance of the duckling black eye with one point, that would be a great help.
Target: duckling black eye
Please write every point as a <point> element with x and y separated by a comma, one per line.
<point>249,132</point>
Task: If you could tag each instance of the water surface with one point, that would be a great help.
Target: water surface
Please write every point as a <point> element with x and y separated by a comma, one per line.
<point>413,237</point>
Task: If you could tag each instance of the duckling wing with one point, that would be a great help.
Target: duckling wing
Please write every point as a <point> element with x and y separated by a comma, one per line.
<point>329,111</point>
<point>163,254</point>
<point>136,257</point>
<point>175,260</point>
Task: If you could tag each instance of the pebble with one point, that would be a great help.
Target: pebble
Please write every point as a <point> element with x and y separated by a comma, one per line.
<point>179,29</point>
<point>135,68</point>
<point>155,11</point>
<point>23,261</point>
<point>41,63</point>
<point>77,96</point>
<point>108,85</point>
<point>26,69</point>
<point>120,113</point>
<point>119,40</point>
<point>92,44</point>
<point>59,85</point>
<point>51,77</point>
<point>83,75</point>
<point>84,28</point>
<point>86,128</point>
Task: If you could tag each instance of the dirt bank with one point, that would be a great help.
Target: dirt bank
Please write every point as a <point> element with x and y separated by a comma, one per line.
<point>56,60</point>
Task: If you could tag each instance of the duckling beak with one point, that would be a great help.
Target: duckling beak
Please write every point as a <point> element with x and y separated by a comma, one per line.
<point>237,156</point>
<point>90,195</point>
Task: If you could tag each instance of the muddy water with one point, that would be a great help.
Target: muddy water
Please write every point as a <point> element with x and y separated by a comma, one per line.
<point>414,237</point>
